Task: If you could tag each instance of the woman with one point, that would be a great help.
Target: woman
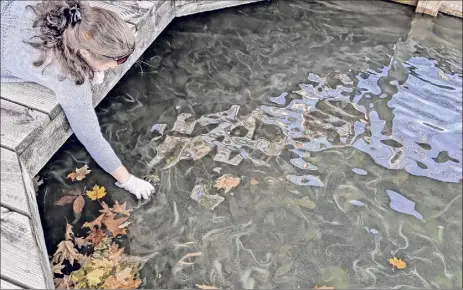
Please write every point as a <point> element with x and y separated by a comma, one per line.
<point>65,45</point>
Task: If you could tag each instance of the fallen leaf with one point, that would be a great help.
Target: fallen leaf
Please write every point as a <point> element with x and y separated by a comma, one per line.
<point>113,225</point>
<point>66,251</point>
<point>63,283</point>
<point>68,235</point>
<point>121,208</point>
<point>323,287</point>
<point>79,174</point>
<point>398,263</point>
<point>106,209</point>
<point>81,242</point>
<point>113,283</point>
<point>202,286</point>
<point>95,236</point>
<point>94,277</point>
<point>227,182</point>
<point>115,254</point>
<point>124,274</point>
<point>253,181</point>
<point>57,268</point>
<point>97,192</point>
<point>78,205</point>
<point>95,223</point>
<point>67,199</point>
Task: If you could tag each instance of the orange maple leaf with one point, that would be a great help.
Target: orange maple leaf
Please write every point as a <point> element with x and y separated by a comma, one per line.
<point>398,263</point>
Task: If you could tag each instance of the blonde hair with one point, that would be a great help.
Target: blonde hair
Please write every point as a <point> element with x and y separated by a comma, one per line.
<point>67,26</point>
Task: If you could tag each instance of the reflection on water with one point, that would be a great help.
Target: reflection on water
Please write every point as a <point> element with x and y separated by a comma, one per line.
<point>343,122</point>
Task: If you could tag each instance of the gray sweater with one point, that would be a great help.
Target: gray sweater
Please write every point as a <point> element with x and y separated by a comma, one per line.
<point>76,100</point>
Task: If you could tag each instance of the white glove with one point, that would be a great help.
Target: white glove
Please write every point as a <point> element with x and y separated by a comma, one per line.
<point>137,187</point>
<point>98,77</point>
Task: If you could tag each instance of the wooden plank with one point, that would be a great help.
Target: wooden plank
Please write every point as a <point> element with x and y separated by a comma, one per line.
<point>36,155</point>
<point>19,253</point>
<point>20,125</point>
<point>188,7</point>
<point>13,195</point>
<point>33,96</point>
<point>430,7</point>
<point>7,285</point>
<point>454,8</point>
<point>37,230</point>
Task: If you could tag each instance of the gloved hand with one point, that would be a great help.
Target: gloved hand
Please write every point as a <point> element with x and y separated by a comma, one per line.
<point>137,187</point>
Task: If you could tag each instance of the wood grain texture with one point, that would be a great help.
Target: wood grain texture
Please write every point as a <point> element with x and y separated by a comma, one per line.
<point>36,229</point>
<point>7,285</point>
<point>454,8</point>
<point>13,195</point>
<point>19,253</point>
<point>430,7</point>
<point>31,95</point>
<point>188,7</point>
<point>20,125</point>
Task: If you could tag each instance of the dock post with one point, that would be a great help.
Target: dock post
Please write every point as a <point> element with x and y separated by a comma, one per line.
<point>430,7</point>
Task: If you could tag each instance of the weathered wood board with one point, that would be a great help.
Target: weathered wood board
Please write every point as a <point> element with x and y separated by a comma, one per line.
<point>20,125</point>
<point>450,7</point>
<point>32,96</point>
<point>7,285</point>
<point>188,7</point>
<point>13,195</point>
<point>19,254</point>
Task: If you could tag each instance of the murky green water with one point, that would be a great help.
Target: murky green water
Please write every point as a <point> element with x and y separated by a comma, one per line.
<point>336,116</point>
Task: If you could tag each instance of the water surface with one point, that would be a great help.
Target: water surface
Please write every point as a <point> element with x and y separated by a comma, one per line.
<point>343,121</point>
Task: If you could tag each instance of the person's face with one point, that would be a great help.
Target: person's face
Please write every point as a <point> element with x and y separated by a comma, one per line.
<point>97,63</point>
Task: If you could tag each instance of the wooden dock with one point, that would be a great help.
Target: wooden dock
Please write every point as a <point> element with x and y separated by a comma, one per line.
<point>33,128</point>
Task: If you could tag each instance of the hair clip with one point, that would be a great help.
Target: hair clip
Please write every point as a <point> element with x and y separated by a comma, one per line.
<point>74,15</point>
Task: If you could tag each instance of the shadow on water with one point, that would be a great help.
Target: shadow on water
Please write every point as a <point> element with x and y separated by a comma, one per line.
<point>343,122</point>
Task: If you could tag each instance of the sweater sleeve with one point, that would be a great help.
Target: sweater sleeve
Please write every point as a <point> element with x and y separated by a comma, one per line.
<point>76,101</point>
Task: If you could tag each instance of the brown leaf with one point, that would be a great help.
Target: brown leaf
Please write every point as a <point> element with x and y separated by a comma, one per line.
<point>79,174</point>
<point>65,251</point>
<point>115,254</point>
<point>106,209</point>
<point>78,205</point>
<point>124,274</point>
<point>253,181</point>
<point>113,225</point>
<point>57,268</point>
<point>68,235</point>
<point>113,283</point>
<point>201,286</point>
<point>227,182</point>
<point>81,242</point>
<point>63,283</point>
<point>67,199</point>
<point>95,236</point>
<point>94,223</point>
<point>121,208</point>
